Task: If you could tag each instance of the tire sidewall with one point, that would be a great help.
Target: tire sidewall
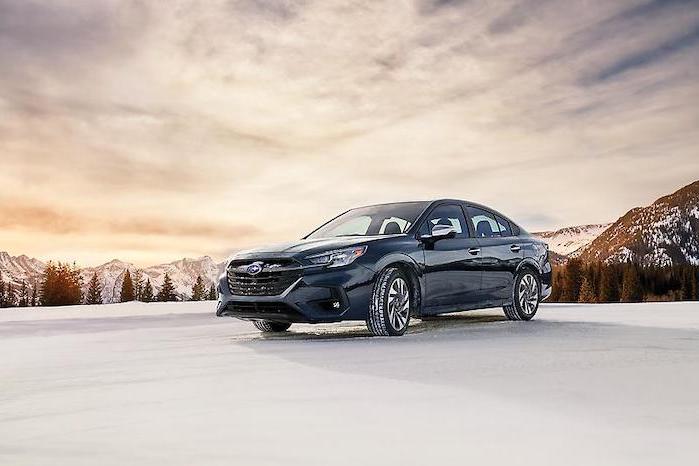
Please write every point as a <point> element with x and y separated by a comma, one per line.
<point>521,314</point>
<point>378,320</point>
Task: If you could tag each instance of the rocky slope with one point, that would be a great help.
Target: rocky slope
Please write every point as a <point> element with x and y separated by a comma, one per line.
<point>16,269</point>
<point>662,234</point>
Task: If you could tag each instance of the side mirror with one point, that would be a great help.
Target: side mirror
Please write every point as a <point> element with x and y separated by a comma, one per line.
<point>440,232</point>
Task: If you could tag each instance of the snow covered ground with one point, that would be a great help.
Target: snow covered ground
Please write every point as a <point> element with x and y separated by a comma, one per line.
<point>172,384</point>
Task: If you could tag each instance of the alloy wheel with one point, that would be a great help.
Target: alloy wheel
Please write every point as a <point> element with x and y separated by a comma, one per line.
<point>398,304</point>
<point>528,293</point>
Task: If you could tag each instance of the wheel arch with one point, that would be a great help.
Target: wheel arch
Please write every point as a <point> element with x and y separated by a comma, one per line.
<point>528,263</point>
<point>410,268</point>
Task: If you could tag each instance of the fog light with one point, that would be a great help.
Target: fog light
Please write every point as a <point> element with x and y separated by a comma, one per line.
<point>330,305</point>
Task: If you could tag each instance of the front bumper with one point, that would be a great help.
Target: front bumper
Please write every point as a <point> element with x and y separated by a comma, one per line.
<point>320,295</point>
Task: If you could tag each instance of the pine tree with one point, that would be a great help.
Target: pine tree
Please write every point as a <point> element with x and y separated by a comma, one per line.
<point>75,284</point>
<point>49,285</point>
<point>198,290</point>
<point>23,300</point>
<point>94,291</point>
<point>147,294</point>
<point>556,284</point>
<point>167,292</point>
<point>127,291</point>
<point>138,285</point>
<point>572,281</point>
<point>35,294</point>
<point>213,294</point>
<point>9,295</point>
<point>631,285</point>
<point>688,283</point>
<point>61,285</point>
<point>609,288</point>
<point>2,292</point>
<point>587,294</point>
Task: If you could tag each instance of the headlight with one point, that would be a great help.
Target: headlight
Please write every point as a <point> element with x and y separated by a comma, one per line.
<point>337,258</point>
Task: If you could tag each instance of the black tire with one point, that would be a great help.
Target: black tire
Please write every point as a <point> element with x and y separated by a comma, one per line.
<point>389,313</point>
<point>526,296</point>
<point>270,327</point>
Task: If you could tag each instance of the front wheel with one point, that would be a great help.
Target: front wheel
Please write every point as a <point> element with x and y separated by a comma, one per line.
<point>526,294</point>
<point>389,310</point>
<point>267,326</point>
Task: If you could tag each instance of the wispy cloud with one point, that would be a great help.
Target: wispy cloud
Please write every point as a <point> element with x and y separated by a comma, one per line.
<point>685,41</point>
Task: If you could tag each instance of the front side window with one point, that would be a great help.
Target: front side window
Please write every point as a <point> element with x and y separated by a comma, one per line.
<point>385,219</point>
<point>484,223</point>
<point>451,215</point>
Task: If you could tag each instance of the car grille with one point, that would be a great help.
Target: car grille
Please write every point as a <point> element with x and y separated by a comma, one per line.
<point>274,278</point>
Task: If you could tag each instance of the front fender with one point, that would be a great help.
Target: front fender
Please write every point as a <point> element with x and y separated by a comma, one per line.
<point>397,257</point>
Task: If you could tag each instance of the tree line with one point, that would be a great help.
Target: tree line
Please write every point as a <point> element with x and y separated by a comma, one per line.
<point>61,285</point>
<point>578,282</point>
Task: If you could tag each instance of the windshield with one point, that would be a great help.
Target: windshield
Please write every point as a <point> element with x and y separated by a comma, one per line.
<point>386,219</point>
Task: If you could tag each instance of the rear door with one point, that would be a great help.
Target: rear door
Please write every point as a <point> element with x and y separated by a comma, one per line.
<point>452,274</point>
<point>500,253</point>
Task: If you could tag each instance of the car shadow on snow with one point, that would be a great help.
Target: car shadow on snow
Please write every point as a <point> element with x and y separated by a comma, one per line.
<point>353,330</point>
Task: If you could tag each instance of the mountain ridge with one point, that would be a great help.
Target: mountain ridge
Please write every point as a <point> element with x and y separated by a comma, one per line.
<point>569,241</point>
<point>663,233</point>
<point>183,273</point>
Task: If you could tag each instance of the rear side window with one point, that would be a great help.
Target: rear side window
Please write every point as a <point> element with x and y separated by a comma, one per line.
<point>446,215</point>
<point>484,223</point>
<point>504,225</point>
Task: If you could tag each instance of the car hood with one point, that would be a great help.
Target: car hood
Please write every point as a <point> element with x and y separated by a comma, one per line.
<point>305,247</point>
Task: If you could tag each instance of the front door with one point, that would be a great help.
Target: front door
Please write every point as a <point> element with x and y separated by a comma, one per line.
<point>452,273</point>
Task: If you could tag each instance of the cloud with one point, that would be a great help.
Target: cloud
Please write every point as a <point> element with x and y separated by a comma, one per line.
<point>229,123</point>
<point>22,216</point>
<point>663,51</point>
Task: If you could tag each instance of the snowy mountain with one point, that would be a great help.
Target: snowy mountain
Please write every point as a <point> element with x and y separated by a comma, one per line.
<point>110,275</point>
<point>16,269</point>
<point>183,273</point>
<point>662,234</point>
<point>570,241</point>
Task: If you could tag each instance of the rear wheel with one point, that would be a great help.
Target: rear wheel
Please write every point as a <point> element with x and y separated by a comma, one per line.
<point>526,295</point>
<point>267,326</point>
<point>389,310</point>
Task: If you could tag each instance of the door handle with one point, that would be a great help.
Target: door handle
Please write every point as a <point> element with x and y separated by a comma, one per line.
<point>474,251</point>
<point>515,248</point>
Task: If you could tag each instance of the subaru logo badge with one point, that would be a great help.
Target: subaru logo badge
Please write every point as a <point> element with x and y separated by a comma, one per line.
<point>254,268</point>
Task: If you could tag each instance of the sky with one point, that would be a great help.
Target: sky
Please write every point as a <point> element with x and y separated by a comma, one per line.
<point>154,130</point>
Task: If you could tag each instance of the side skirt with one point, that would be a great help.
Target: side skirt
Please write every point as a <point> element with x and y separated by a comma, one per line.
<point>433,311</point>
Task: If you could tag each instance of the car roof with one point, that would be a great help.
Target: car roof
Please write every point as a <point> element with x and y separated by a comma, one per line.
<point>432,202</point>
